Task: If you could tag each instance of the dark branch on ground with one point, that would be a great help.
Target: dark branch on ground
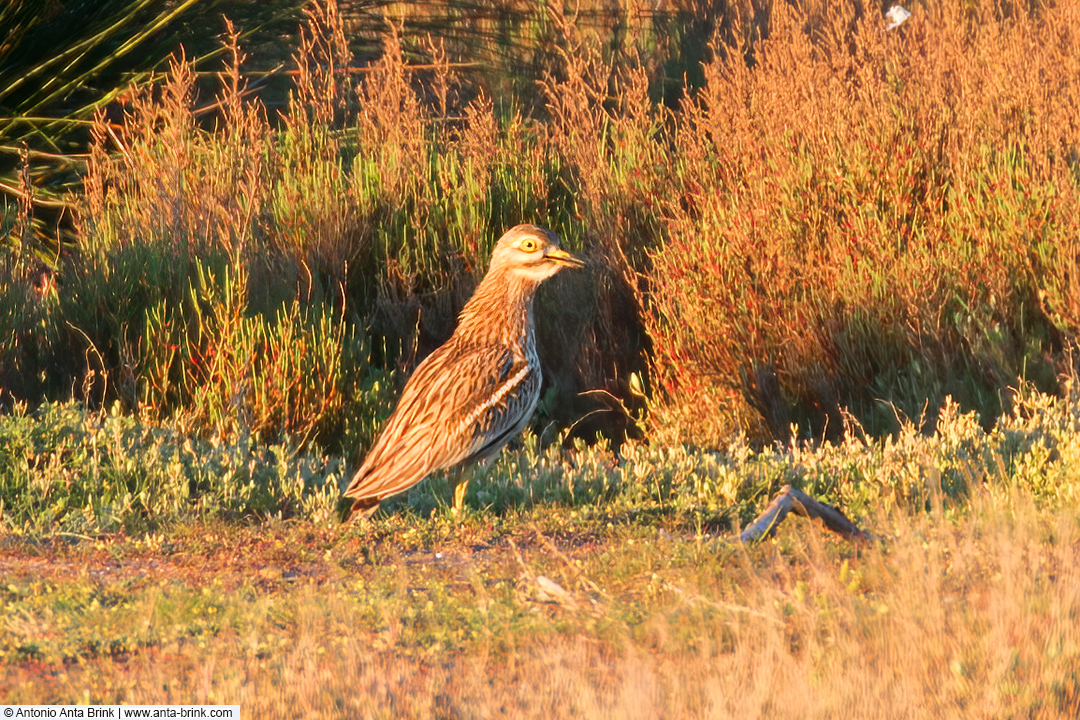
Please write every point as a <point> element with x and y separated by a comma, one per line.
<point>802,504</point>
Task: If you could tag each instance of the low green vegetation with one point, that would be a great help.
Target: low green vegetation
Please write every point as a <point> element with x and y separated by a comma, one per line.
<point>574,583</point>
<point>64,469</point>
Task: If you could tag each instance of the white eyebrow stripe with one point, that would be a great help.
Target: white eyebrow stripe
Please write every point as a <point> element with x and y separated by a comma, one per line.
<point>496,398</point>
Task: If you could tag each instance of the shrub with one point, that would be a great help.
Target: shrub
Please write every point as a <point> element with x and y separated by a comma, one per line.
<point>64,469</point>
<point>867,218</point>
<point>834,222</point>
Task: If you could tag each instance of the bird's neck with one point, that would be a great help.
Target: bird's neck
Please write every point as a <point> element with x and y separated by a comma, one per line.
<point>499,312</point>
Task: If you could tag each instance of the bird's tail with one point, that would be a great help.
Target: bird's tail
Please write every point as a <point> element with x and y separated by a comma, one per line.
<point>348,508</point>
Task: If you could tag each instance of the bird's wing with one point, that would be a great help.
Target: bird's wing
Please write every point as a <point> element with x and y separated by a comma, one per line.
<point>510,402</point>
<point>441,418</point>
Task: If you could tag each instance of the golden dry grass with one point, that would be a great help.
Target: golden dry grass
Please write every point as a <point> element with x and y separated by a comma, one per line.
<point>971,614</point>
<point>583,585</point>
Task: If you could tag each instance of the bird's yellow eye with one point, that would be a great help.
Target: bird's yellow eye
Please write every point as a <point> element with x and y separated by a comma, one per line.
<point>528,245</point>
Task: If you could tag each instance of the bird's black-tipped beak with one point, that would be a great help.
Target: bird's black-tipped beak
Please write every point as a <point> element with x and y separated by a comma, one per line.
<point>561,257</point>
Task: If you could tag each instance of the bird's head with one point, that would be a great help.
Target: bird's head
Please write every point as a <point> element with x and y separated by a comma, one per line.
<point>531,252</point>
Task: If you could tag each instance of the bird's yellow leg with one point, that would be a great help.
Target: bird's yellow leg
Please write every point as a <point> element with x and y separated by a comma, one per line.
<point>461,485</point>
<point>459,495</point>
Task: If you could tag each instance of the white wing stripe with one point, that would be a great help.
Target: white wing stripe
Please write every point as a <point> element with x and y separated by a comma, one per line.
<point>507,388</point>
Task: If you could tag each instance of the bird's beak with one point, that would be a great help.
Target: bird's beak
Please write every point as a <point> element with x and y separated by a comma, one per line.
<point>561,257</point>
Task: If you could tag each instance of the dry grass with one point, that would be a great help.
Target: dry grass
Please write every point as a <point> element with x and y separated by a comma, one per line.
<point>572,586</point>
<point>965,616</point>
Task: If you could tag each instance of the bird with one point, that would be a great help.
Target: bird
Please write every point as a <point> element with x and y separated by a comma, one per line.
<point>477,391</point>
<point>896,17</point>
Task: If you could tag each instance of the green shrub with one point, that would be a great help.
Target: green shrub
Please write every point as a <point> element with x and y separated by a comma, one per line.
<point>837,223</point>
<point>65,469</point>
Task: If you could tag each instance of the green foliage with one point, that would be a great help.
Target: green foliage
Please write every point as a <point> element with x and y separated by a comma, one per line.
<point>862,251</point>
<point>586,573</point>
<point>232,274</point>
<point>96,37</point>
<point>60,62</point>
<point>63,468</point>
<point>66,470</point>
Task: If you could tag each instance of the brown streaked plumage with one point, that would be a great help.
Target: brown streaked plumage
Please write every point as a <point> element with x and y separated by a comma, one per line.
<point>476,391</point>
